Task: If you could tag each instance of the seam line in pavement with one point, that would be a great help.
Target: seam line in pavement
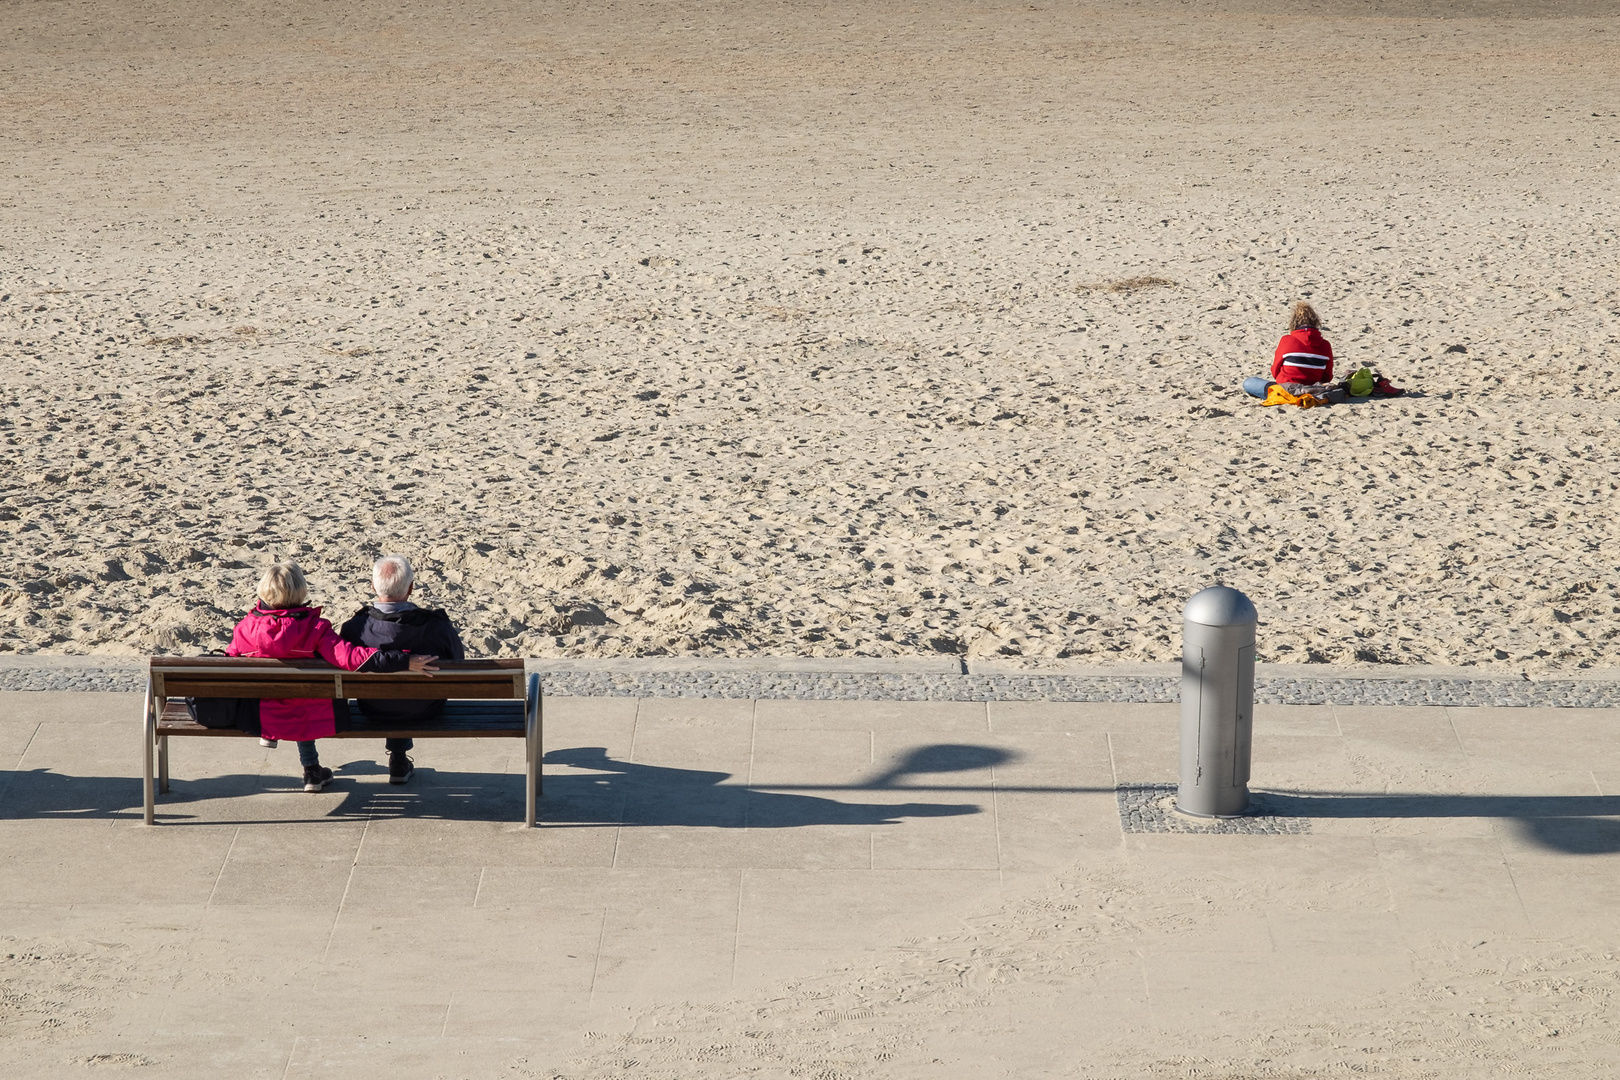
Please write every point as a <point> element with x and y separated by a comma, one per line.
<point>223,865</point>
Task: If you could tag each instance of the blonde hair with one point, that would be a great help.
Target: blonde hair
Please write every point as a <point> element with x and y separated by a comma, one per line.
<point>283,586</point>
<point>1304,315</point>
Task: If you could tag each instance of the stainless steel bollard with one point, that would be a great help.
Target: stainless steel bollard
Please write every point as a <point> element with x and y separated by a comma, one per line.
<point>1217,703</point>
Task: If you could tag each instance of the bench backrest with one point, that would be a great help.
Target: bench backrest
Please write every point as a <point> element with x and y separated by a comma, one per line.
<point>247,677</point>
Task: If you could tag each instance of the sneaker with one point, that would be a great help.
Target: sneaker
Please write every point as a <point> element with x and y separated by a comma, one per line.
<point>1385,388</point>
<point>269,743</point>
<point>400,768</point>
<point>316,778</point>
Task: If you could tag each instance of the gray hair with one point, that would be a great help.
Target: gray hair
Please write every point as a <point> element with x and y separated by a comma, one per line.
<point>391,577</point>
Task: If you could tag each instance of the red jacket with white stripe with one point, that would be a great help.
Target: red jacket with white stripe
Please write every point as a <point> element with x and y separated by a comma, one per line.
<point>1303,356</point>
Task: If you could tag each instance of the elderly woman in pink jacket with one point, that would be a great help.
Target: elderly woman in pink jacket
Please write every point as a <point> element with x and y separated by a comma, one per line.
<point>281,627</point>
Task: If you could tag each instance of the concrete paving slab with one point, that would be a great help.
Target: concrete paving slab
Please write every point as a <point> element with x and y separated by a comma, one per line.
<point>1184,987</point>
<point>1401,734</point>
<point>1007,717</point>
<point>1283,720</point>
<point>695,863</point>
<point>1142,757</point>
<point>804,847</point>
<point>791,757</point>
<point>686,845</point>
<point>947,847</point>
<point>1310,761</point>
<point>55,861</point>
<point>934,717</point>
<point>15,735</point>
<point>375,890</point>
<point>457,842</point>
<point>1329,934</point>
<point>1462,888</point>
<point>1035,831</point>
<point>609,722</point>
<point>789,909</point>
<point>1042,756</point>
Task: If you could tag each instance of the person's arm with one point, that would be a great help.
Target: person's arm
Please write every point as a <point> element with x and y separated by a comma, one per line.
<point>1277,359</point>
<point>1328,375</point>
<point>339,653</point>
<point>399,660</point>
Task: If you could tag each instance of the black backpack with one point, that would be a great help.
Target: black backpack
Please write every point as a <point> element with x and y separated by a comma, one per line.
<point>225,712</point>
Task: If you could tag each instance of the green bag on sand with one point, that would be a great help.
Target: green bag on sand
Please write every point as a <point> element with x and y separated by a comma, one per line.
<point>1361,383</point>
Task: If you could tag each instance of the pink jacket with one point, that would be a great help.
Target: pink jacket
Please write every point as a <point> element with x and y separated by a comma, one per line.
<point>295,634</point>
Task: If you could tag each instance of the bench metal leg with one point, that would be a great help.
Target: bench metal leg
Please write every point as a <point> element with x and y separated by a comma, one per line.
<point>531,751</point>
<point>163,764</point>
<point>149,751</point>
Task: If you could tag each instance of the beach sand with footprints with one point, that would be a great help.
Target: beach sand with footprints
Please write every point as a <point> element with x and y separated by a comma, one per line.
<point>815,330</point>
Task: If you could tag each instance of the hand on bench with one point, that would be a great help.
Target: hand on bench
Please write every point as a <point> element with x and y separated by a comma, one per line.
<point>424,663</point>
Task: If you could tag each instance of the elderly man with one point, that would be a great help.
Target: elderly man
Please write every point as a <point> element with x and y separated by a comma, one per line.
<point>391,621</point>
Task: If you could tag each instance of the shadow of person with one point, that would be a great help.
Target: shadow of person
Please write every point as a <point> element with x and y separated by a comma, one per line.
<point>606,791</point>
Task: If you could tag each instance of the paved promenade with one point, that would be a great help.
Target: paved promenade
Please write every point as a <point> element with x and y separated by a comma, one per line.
<point>775,887</point>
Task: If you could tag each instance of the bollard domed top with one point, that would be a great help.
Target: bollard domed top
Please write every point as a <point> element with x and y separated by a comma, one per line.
<point>1220,606</point>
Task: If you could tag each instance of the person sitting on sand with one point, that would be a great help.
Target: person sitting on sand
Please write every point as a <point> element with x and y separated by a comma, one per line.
<point>1304,360</point>
<point>281,626</point>
<point>391,621</point>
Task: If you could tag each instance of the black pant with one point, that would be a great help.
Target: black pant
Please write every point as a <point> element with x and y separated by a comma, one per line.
<point>309,755</point>
<point>348,718</point>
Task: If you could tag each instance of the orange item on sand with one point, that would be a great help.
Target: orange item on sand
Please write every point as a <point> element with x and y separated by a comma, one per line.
<point>1276,395</point>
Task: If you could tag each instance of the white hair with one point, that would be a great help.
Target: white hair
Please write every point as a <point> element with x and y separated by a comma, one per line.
<point>391,577</point>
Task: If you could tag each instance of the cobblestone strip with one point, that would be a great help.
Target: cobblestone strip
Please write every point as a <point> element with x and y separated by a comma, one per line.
<point>839,686</point>
<point>102,679</point>
<point>1150,808</point>
<point>1490,692</point>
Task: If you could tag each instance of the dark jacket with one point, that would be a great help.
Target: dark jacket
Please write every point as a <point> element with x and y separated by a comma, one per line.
<point>417,630</point>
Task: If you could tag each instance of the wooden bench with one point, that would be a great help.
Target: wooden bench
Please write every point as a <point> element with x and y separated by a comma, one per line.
<point>484,699</point>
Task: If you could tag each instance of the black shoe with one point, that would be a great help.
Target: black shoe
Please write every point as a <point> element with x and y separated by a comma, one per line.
<point>400,768</point>
<point>316,778</point>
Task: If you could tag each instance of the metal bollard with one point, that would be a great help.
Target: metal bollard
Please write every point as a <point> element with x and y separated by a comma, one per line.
<point>1217,703</point>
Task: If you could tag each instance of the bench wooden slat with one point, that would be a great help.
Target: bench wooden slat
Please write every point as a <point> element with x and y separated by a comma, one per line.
<point>452,725</point>
<point>256,677</point>
<point>387,686</point>
<point>496,714</point>
<point>303,686</point>
<point>259,663</point>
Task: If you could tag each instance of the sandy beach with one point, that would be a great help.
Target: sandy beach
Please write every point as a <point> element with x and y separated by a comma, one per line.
<point>812,329</point>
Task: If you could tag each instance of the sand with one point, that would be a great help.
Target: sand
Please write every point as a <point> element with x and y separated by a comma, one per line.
<point>812,329</point>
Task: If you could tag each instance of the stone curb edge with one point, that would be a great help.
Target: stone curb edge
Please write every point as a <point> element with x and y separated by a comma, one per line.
<point>890,681</point>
